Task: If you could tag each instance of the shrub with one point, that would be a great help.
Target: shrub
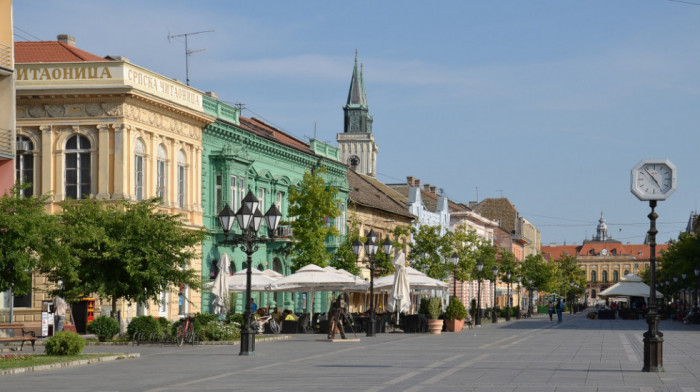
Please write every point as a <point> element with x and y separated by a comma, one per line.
<point>434,307</point>
<point>592,315</point>
<point>165,325</point>
<point>202,319</point>
<point>64,343</point>
<point>218,332</point>
<point>424,307</point>
<point>455,310</point>
<point>472,309</point>
<point>104,327</point>
<point>235,319</point>
<point>143,324</point>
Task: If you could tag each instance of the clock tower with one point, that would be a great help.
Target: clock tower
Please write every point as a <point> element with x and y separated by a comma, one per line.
<point>356,144</point>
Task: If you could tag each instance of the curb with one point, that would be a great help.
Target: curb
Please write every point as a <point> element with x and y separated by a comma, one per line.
<point>59,365</point>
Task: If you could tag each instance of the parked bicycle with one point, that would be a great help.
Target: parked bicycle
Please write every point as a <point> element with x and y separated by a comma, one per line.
<point>185,331</point>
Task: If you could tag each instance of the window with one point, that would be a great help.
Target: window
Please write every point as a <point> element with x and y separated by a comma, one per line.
<point>161,175</point>
<point>341,219</point>
<point>77,175</point>
<point>234,194</point>
<point>616,276</point>
<point>604,276</point>
<point>593,276</point>
<point>593,293</point>
<point>278,201</point>
<point>139,169</point>
<point>163,304</point>
<point>219,198</point>
<point>241,191</point>
<point>261,200</point>
<point>182,300</point>
<point>181,163</point>
<point>24,165</point>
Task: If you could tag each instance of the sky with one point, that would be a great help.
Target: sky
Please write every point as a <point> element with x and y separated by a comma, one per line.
<point>549,103</point>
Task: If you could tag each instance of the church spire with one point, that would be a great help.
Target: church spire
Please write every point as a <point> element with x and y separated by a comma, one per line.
<point>602,229</point>
<point>357,117</point>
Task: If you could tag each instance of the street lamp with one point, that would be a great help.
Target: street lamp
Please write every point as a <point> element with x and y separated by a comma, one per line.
<point>371,247</point>
<point>479,267</point>
<point>494,315</point>
<point>697,273</point>
<point>455,259</point>
<point>519,278</point>
<point>249,219</point>
<point>529,297</point>
<point>508,297</point>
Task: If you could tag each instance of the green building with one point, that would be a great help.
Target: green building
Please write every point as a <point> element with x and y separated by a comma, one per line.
<point>241,154</point>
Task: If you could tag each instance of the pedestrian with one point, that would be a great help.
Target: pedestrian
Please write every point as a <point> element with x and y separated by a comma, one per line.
<point>560,309</point>
<point>550,309</point>
<point>59,313</point>
<point>253,306</point>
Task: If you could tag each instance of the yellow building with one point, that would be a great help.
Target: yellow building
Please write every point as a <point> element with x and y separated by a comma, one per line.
<point>7,98</point>
<point>104,128</point>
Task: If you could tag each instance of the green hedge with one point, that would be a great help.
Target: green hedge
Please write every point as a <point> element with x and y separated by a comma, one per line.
<point>64,343</point>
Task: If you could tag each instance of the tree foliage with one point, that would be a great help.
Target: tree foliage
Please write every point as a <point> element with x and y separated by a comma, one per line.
<point>27,239</point>
<point>313,205</point>
<point>430,250</point>
<point>124,250</point>
<point>540,271</point>
<point>681,257</point>
<point>345,257</point>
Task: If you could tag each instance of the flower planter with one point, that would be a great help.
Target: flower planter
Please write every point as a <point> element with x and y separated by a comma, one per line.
<point>435,326</point>
<point>454,325</point>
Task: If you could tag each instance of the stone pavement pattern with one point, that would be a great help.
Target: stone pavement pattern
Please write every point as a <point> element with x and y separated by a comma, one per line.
<point>521,355</point>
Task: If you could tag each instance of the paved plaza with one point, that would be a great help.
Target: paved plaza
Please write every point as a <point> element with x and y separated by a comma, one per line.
<point>521,355</point>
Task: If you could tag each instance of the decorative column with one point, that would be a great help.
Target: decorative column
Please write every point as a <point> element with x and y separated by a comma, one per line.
<point>47,164</point>
<point>103,172</point>
<point>121,161</point>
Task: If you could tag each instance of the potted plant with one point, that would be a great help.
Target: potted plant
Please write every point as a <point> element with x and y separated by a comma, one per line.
<point>455,315</point>
<point>434,309</point>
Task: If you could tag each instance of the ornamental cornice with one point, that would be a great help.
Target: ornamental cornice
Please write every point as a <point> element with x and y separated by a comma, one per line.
<point>161,119</point>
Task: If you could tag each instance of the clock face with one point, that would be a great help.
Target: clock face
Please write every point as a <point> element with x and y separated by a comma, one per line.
<point>653,179</point>
<point>354,160</point>
<point>604,252</point>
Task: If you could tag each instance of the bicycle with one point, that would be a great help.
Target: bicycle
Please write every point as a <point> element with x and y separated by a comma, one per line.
<point>185,331</point>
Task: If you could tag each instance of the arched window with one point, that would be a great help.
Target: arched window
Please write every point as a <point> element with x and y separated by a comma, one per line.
<point>24,165</point>
<point>77,175</point>
<point>616,276</point>
<point>261,268</point>
<point>160,173</point>
<point>181,184</point>
<point>604,275</point>
<point>139,168</point>
<point>593,276</point>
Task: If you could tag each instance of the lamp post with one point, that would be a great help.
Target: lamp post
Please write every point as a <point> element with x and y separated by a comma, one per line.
<point>678,293</point>
<point>249,219</point>
<point>508,275</point>
<point>529,297</point>
<point>685,303</point>
<point>571,301</point>
<point>520,306</point>
<point>371,247</point>
<point>479,267</point>
<point>494,314</point>
<point>455,259</point>
<point>697,273</point>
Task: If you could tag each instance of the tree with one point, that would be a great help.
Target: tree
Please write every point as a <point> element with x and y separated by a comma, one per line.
<point>681,257</point>
<point>27,239</point>
<point>429,250</point>
<point>345,258</point>
<point>466,244</point>
<point>124,250</point>
<point>313,205</point>
<point>542,273</point>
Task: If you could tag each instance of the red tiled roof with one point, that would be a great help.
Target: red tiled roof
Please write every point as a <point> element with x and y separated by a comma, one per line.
<point>51,52</point>
<point>260,128</point>
<point>638,251</point>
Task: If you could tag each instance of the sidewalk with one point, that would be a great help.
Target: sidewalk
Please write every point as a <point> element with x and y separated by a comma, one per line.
<point>521,355</point>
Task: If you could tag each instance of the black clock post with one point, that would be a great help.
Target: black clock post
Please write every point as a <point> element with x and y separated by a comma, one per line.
<point>653,338</point>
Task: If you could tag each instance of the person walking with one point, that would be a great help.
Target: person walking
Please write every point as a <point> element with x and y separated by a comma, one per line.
<point>560,309</point>
<point>550,309</point>
<point>59,314</point>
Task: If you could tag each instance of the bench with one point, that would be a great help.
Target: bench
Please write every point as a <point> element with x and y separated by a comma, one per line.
<point>26,336</point>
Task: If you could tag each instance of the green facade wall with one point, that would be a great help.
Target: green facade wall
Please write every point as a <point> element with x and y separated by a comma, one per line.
<point>230,151</point>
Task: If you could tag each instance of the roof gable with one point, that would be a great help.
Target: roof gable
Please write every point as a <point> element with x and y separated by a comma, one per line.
<point>51,52</point>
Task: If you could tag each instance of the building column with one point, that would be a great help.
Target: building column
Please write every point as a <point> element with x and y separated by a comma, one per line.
<point>47,164</point>
<point>121,162</point>
<point>103,172</point>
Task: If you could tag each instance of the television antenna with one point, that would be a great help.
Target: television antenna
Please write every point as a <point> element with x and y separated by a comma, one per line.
<point>188,52</point>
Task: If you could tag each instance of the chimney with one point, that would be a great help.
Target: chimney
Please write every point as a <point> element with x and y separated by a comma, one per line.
<point>426,187</point>
<point>212,94</point>
<point>417,183</point>
<point>66,39</point>
<point>409,180</point>
<point>433,189</point>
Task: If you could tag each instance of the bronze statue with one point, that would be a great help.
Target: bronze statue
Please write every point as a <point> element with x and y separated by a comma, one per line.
<point>336,314</point>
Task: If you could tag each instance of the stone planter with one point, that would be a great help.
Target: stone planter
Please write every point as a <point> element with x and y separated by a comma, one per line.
<point>454,325</point>
<point>435,326</point>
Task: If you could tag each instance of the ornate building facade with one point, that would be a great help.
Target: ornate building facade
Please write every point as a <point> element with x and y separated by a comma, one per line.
<point>244,154</point>
<point>103,128</point>
<point>603,259</point>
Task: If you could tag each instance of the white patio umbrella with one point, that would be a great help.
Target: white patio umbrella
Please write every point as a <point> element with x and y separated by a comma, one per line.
<point>220,286</point>
<point>258,280</point>
<point>400,294</point>
<point>313,278</point>
<point>273,274</point>
<point>416,280</point>
<point>629,286</point>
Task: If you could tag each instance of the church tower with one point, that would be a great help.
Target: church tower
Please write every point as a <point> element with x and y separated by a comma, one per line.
<point>356,143</point>
<point>602,230</point>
